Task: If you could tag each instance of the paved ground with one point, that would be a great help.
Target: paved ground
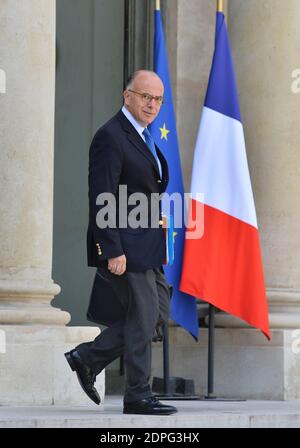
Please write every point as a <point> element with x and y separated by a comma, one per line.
<point>191,414</point>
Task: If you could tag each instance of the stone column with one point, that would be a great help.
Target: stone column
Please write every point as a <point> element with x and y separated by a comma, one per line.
<point>32,369</point>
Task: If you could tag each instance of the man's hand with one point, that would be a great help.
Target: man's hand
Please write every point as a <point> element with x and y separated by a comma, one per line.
<point>117,265</point>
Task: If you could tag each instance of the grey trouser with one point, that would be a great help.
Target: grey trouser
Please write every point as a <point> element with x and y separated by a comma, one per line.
<point>148,303</point>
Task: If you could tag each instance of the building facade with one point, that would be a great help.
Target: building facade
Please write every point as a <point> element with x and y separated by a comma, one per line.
<point>63,66</point>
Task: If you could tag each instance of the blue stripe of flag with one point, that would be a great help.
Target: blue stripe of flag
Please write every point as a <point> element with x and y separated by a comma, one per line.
<point>221,93</point>
<point>183,307</point>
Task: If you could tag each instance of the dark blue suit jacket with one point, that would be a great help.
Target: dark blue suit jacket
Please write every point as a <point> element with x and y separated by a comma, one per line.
<point>119,156</point>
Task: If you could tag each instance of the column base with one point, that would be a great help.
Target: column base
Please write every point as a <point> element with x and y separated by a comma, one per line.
<point>284,311</point>
<point>247,366</point>
<point>33,369</point>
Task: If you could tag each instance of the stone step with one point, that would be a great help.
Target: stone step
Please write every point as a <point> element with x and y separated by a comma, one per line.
<point>191,414</point>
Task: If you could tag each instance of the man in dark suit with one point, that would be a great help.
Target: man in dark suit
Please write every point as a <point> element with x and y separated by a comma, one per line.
<point>125,241</point>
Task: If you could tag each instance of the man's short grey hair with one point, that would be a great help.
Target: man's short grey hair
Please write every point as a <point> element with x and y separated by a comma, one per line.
<point>132,77</point>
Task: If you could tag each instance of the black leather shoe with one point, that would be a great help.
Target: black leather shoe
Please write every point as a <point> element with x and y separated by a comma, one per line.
<point>85,375</point>
<point>149,406</point>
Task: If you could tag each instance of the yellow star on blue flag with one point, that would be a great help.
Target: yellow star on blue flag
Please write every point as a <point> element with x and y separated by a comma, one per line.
<point>183,307</point>
<point>164,132</point>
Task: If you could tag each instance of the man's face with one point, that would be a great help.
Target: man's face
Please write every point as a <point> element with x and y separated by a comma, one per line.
<point>143,110</point>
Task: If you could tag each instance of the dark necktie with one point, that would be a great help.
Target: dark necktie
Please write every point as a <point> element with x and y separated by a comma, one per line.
<point>151,145</point>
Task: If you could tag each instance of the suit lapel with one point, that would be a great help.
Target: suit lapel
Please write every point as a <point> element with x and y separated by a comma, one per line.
<point>136,140</point>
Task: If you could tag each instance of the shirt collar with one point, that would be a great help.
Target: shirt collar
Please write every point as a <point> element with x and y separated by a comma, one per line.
<point>133,121</point>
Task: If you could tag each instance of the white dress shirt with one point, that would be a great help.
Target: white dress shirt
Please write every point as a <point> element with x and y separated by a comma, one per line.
<point>134,122</point>
<point>140,129</point>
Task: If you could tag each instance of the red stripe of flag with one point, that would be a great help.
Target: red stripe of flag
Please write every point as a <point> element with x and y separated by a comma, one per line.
<point>224,268</point>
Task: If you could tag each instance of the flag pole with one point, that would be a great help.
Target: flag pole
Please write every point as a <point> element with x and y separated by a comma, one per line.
<point>211,328</point>
<point>171,388</point>
<point>211,354</point>
<point>220,6</point>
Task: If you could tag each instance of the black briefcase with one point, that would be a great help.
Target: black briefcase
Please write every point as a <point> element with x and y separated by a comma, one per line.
<point>108,298</point>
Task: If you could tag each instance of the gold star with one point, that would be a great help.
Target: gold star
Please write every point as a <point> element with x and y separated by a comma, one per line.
<point>164,132</point>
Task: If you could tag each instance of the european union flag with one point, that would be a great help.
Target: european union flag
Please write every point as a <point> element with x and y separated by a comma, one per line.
<point>183,307</point>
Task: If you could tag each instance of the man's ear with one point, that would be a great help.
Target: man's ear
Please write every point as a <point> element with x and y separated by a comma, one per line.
<point>125,95</point>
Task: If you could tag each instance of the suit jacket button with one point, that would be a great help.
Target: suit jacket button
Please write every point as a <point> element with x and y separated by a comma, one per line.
<point>159,181</point>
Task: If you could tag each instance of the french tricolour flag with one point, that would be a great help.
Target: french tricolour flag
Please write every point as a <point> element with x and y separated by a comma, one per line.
<point>224,267</point>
